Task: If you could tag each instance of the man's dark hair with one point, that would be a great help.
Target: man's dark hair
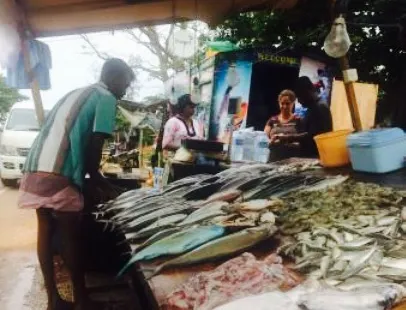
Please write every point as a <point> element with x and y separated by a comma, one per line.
<point>114,67</point>
<point>304,84</point>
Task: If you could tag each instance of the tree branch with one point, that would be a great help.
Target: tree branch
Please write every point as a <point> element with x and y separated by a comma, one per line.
<point>148,45</point>
<point>103,56</point>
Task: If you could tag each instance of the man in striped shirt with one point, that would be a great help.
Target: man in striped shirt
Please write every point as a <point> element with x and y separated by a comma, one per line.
<point>68,147</point>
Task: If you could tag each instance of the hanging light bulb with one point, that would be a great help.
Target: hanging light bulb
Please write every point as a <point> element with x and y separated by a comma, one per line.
<point>337,43</point>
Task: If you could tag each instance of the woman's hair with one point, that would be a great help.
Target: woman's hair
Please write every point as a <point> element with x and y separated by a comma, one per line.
<point>183,102</point>
<point>288,93</point>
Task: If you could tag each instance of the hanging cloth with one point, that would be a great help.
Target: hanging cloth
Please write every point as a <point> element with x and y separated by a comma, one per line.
<point>41,63</point>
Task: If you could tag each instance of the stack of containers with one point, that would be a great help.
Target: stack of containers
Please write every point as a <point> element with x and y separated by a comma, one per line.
<point>248,146</point>
<point>378,150</point>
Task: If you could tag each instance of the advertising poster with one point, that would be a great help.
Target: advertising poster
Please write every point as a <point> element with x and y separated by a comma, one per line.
<point>232,81</point>
<point>319,74</point>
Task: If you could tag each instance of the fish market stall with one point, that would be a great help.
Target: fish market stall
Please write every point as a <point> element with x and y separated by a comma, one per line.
<point>292,234</point>
<point>197,157</point>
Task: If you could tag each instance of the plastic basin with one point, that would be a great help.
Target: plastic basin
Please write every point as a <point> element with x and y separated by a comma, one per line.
<point>332,147</point>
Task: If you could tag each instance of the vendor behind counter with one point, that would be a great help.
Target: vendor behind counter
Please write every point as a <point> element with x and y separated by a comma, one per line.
<point>179,127</point>
<point>182,125</point>
<point>285,131</point>
<point>285,123</point>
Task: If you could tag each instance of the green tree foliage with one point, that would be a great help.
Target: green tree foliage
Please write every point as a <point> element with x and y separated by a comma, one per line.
<point>122,124</point>
<point>372,25</point>
<point>8,96</point>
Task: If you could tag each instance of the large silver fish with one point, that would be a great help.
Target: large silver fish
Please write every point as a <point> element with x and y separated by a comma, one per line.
<point>160,224</point>
<point>177,243</point>
<point>147,219</point>
<point>221,247</point>
<point>206,212</point>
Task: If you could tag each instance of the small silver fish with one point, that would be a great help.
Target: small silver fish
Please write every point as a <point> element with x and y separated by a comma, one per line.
<point>338,267</point>
<point>403,214</point>
<point>336,253</point>
<point>388,220</point>
<point>348,237</point>
<point>357,265</point>
<point>398,263</point>
<point>394,274</point>
<point>356,244</point>
<point>324,265</point>
<point>403,227</point>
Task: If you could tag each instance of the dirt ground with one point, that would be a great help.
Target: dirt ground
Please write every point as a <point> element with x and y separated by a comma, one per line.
<point>20,280</point>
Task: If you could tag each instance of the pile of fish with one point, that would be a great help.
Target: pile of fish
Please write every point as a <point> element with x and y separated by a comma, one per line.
<point>206,217</point>
<point>304,210</point>
<point>364,249</point>
<point>313,295</point>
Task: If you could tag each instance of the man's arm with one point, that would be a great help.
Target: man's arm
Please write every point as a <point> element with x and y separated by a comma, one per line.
<point>325,120</point>
<point>94,156</point>
<point>103,128</point>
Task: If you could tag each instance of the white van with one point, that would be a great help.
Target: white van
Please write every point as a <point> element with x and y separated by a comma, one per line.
<point>19,132</point>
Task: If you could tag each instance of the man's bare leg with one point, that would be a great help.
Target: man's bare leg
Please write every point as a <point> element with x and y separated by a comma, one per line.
<point>45,257</point>
<point>71,250</point>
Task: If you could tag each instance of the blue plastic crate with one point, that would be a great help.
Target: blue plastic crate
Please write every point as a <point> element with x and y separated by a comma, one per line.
<point>377,151</point>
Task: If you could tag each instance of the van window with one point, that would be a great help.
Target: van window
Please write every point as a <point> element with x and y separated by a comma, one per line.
<point>23,120</point>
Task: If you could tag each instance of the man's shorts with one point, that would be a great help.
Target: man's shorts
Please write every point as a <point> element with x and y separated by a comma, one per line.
<point>45,190</point>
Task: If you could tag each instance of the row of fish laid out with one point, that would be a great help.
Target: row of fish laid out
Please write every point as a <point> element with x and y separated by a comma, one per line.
<point>345,255</point>
<point>133,216</point>
<point>250,179</point>
<point>304,210</point>
<point>313,295</point>
<point>214,230</point>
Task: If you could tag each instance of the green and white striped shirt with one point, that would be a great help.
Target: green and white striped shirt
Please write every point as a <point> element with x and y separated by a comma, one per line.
<point>60,147</point>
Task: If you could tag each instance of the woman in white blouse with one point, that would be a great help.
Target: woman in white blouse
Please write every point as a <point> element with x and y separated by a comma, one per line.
<point>182,125</point>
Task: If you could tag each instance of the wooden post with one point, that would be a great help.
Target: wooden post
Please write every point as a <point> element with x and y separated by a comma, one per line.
<point>349,86</point>
<point>351,98</point>
<point>140,148</point>
<point>35,90</point>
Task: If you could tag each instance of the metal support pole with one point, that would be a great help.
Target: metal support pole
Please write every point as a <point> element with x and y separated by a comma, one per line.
<point>35,90</point>
<point>351,98</point>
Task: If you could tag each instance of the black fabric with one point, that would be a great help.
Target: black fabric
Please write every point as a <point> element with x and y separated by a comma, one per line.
<point>104,250</point>
<point>190,134</point>
<point>318,120</point>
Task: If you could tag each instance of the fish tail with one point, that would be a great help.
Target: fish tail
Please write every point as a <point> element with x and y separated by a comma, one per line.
<point>125,268</point>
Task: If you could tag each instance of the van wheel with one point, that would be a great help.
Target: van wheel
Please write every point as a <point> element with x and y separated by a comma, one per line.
<point>9,182</point>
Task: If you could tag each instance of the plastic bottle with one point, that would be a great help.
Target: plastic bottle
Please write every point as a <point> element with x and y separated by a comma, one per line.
<point>249,145</point>
<point>237,147</point>
<point>262,148</point>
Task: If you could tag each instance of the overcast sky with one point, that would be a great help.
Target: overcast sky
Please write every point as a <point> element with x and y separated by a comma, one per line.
<point>75,66</point>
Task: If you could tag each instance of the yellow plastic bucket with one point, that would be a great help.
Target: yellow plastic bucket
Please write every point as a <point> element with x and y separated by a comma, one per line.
<point>332,148</point>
